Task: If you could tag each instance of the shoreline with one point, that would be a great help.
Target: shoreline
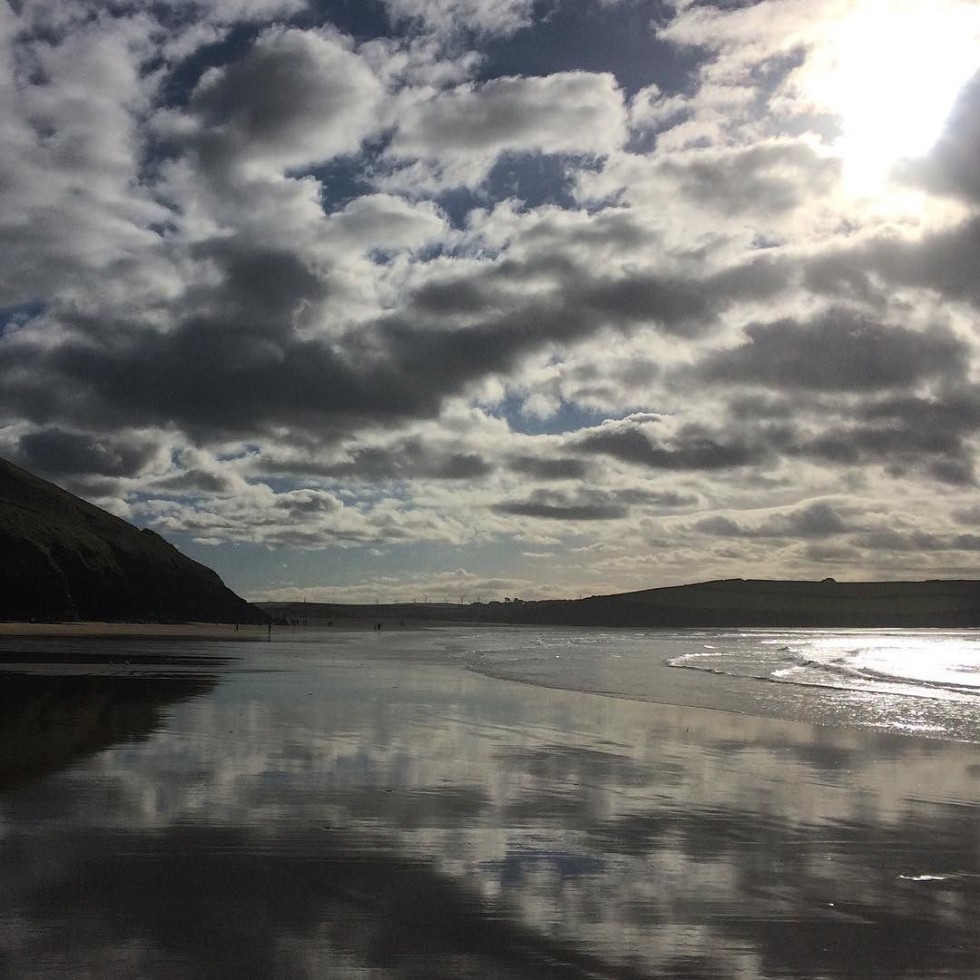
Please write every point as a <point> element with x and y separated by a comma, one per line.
<point>146,631</point>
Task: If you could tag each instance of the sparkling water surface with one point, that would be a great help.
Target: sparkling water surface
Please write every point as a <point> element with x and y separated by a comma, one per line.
<point>492,803</point>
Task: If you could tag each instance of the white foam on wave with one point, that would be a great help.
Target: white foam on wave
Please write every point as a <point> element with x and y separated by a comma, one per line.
<point>930,664</point>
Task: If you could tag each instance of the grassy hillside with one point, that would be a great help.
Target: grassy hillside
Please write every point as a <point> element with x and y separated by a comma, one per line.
<point>733,602</point>
<point>64,559</point>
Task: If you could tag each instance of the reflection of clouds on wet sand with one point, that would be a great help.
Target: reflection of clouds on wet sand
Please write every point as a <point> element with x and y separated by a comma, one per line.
<point>49,722</point>
<point>385,817</point>
<point>197,900</point>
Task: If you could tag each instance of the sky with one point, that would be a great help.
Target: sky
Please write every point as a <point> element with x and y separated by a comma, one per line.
<point>471,299</point>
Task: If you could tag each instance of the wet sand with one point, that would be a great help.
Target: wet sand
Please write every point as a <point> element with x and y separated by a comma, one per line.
<point>365,807</point>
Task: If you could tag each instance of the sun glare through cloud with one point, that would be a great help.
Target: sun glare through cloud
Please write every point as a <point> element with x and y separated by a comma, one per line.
<point>890,72</point>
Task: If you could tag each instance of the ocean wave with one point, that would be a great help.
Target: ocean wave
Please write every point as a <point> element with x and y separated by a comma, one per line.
<point>945,667</point>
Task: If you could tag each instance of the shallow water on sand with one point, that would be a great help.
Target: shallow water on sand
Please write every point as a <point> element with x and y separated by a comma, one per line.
<point>365,806</point>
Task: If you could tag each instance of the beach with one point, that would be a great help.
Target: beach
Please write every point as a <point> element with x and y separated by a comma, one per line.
<point>168,631</point>
<point>383,806</point>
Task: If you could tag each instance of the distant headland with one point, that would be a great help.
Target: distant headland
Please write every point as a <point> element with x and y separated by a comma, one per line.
<point>727,603</point>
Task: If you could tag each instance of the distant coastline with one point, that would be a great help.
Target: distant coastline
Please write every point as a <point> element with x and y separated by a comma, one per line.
<point>724,603</point>
<point>734,603</point>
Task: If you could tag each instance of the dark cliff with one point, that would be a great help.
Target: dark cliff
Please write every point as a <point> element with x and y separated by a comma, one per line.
<point>64,559</point>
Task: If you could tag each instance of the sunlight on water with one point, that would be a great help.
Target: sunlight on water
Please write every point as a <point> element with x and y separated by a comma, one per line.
<point>932,664</point>
<point>914,681</point>
<point>940,661</point>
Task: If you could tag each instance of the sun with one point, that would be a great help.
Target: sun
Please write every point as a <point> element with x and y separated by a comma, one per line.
<point>890,71</point>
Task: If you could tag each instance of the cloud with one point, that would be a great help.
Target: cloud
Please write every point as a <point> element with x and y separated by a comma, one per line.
<point>410,459</point>
<point>295,97</point>
<point>459,133</point>
<point>61,453</point>
<point>448,17</point>
<point>540,468</point>
<point>556,506</point>
<point>691,449</point>
<point>838,351</point>
<point>771,177</point>
<point>949,167</point>
<point>815,520</point>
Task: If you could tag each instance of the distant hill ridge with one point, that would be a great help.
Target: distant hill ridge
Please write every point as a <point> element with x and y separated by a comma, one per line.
<point>725,603</point>
<point>62,558</point>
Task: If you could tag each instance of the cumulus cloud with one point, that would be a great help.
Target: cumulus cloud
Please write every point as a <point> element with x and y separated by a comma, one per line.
<point>838,351</point>
<point>459,133</point>
<point>296,97</point>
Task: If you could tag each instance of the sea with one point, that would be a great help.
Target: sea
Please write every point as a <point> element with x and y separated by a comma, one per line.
<point>499,802</point>
<point>923,682</point>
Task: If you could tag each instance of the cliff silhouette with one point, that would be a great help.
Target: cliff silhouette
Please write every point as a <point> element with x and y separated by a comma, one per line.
<point>63,559</point>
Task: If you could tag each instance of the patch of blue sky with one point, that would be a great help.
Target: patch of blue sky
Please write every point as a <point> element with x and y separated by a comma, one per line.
<point>458,203</point>
<point>569,417</point>
<point>361,19</point>
<point>176,86</point>
<point>582,35</point>
<point>14,317</point>
<point>344,178</point>
<point>536,179</point>
<point>532,179</point>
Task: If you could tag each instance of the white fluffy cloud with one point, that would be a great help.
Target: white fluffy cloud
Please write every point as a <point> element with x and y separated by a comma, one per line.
<point>459,133</point>
<point>447,17</point>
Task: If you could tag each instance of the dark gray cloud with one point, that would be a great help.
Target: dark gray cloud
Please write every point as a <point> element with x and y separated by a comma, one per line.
<point>944,262</point>
<point>196,481</point>
<point>955,410</point>
<point>943,455</point>
<point>951,167</point>
<point>763,406</point>
<point>692,449</point>
<point>294,97</point>
<point>893,540</point>
<point>543,468</point>
<point>555,506</point>
<point>238,364</point>
<point>686,306</point>
<point>816,520</point>
<point>406,460</point>
<point>838,352</point>
<point>57,452</point>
